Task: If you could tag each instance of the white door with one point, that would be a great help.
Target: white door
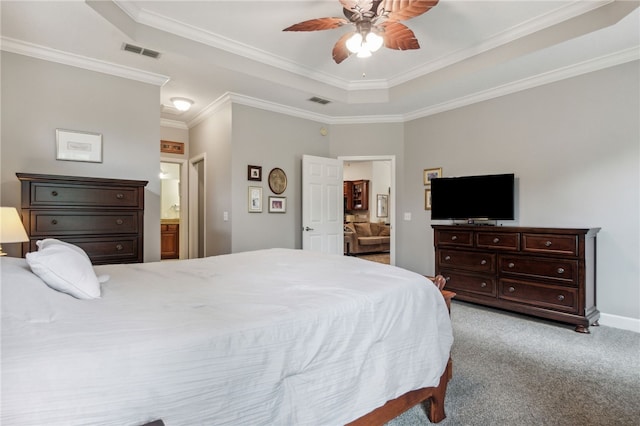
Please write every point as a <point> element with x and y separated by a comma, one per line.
<point>322,204</point>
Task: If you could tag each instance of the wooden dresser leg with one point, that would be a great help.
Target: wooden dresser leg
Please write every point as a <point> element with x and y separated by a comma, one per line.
<point>582,329</point>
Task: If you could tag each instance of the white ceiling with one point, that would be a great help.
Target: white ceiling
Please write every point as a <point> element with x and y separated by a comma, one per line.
<point>470,51</point>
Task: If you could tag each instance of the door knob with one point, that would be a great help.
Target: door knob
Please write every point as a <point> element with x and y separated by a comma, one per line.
<point>306,228</point>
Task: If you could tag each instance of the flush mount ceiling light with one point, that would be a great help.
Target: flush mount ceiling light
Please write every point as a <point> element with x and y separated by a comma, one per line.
<point>377,24</point>
<point>182,104</point>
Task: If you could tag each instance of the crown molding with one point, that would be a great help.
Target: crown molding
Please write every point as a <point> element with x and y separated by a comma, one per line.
<point>174,124</point>
<point>53,55</point>
<point>172,26</point>
<point>29,49</point>
<point>507,36</point>
<point>163,23</point>
<point>585,67</point>
<point>607,61</point>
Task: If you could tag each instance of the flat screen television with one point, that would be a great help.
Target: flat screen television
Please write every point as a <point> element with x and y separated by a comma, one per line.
<point>486,197</point>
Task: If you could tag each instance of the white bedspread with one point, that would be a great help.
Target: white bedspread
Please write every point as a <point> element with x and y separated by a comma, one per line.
<point>270,337</point>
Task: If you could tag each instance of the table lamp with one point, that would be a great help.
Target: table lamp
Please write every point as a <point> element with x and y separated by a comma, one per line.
<point>11,228</point>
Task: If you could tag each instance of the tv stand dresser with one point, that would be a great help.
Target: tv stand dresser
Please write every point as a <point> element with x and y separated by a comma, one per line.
<point>545,272</point>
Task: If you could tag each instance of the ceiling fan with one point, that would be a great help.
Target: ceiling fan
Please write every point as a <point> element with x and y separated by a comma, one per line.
<point>376,22</point>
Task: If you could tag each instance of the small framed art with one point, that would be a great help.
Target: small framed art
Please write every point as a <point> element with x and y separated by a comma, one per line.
<point>277,204</point>
<point>427,199</point>
<point>171,147</point>
<point>255,199</point>
<point>429,174</point>
<point>382,205</point>
<point>72,145</point>
<point>254,173</point>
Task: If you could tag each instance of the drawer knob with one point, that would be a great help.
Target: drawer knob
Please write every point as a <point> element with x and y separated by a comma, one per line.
<point>447,278</point>
<point>561,270</point>
<point>511,265</point>
<point>54,193</point>
<point>496,240</point>
<point>483,284</point>
<point>119,221</point>
<point>119,247</point>
<point>54,222</point>
<point>453,238</point>
<point>447,258</point>
<point>483,262</point>
<point>560,297</point>
<point>548,244</point>
<point>511,289</point>
<point>119,195</point>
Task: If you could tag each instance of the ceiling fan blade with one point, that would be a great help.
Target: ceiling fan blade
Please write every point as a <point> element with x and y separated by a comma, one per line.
<point>340,51</point>
<point>399,37</point>
<point>317,24</point>
<point>401,10</point>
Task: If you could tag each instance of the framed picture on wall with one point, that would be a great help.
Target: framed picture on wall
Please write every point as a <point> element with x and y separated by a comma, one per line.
<point>382,205</point>
<point>429,174</point>
<point>72,145</point>
<point>277,204</point>
<point>427,199</point>
<point>255,199</point>
<point>254,173</point>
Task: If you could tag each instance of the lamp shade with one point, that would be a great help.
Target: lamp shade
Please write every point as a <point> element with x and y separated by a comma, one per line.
<point>11,228</point>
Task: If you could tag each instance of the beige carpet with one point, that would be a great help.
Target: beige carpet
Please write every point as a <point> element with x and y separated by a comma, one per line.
<point>375,257</point>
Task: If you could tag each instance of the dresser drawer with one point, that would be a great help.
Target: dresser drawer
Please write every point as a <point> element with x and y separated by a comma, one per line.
<point>103,250</point>
<point>454,238</point>
<point>467,260</point>
<point>498,240</point>
<point>564,271</point>
<point>43,195</point>
<point>547,296</point>
<point>469,283</point>
<point>68,222</point>
<point>550,243</point>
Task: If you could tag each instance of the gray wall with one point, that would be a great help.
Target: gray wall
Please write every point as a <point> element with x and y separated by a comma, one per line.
<point>572,144</point>
<point>212,138</point>
<point>40,96</point>
<point>268,139</point>
<point>574,148</point>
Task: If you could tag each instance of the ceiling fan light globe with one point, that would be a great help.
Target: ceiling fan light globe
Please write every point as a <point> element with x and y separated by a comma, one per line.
<point>354,43</point>
<point>374,41</point>
<point>364,53</point>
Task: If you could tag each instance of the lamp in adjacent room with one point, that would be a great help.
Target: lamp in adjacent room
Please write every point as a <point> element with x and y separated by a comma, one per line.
<point>11,228</point>
<point>182,104</point>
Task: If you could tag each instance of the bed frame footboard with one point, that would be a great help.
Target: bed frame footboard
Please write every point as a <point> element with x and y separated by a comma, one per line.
<point>431,398</point>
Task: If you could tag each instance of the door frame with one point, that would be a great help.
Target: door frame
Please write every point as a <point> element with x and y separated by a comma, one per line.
<point>392,195</point>
<point>196,234</point>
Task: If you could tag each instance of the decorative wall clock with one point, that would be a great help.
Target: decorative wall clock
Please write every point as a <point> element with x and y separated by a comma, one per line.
<point>277,180</point>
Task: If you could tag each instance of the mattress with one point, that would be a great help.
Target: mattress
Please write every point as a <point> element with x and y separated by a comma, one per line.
<point>267,337</point>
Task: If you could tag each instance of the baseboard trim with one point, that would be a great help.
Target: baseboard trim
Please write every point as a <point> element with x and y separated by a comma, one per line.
<point>616,321</point>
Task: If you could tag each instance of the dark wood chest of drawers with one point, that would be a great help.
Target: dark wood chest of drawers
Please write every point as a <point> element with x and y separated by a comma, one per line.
<point>105,217</point>
<point>546,272</point>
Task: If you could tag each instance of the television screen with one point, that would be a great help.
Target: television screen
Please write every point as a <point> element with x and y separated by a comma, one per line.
<point>488,197</point>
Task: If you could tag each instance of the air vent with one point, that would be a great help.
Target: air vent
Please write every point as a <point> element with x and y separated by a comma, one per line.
<point>319,100</point>
<point>140,50</point>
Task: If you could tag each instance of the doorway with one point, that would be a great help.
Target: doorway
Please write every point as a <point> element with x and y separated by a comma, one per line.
<point>381,172</point>
<point>173,220</point>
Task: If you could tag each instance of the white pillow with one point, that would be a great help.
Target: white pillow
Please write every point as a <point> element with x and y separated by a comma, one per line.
<point>65,269</point>
<point>50,241</point>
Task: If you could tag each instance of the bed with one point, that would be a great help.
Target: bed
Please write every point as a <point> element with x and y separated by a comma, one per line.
<point>267,337</point>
